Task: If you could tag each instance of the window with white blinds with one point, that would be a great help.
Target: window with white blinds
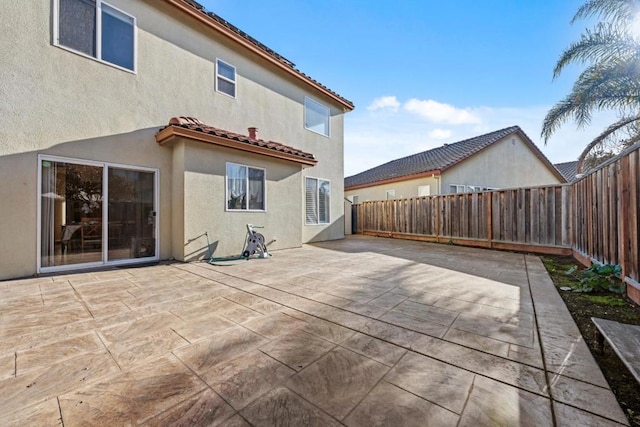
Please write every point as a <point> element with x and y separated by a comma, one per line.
<point>317,201</point>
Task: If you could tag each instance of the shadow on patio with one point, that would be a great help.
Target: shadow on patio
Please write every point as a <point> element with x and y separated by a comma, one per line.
<point>364,331</point>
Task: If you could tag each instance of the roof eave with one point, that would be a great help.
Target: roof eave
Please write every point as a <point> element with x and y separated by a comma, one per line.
<point>394,179</point>
<point>207,20</point>
<point>171,133</point>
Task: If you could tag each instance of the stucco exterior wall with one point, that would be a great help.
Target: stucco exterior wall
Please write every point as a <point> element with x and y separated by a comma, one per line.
<point>205,203</point>
<point>57,102</point>
<point>403,189</point>
<point>508,163</point>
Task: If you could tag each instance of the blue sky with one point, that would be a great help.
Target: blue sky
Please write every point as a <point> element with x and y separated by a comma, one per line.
<point>425,73</point>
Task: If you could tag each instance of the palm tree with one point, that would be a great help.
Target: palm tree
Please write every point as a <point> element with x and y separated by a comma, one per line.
<point>611,79</point>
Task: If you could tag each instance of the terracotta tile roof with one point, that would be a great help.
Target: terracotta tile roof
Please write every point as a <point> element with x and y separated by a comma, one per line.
<point>568,169</point>
<point>194,124</point>
<point>272,53</point>
<point>437,159</point>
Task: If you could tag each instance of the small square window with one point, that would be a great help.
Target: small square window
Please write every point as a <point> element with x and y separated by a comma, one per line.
<point>457,188</point>
<point>96,29</point>
<point>246,188</point>
<point>391,194</point>
<point>424,190</point>
<point>225,78</point>
<point>316,117</point>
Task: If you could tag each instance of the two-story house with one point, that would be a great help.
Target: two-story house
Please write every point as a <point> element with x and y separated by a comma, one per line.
<point>129,128</point>
<point>506,158</point>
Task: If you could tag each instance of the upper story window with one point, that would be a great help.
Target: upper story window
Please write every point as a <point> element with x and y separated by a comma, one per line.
<point>316,117</point>
<point>245,188</point>
<point>98,30</point>
<point>225,78</point>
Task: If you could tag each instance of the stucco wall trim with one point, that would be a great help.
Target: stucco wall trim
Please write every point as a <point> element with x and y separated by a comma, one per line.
<point>170,134</point>
<point>435,172</point>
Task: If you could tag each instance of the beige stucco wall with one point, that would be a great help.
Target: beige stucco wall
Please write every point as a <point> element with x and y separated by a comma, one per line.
<point>205,203</point>
<point>57,102</point>
<point>403,189</point>
<point>508,163</point>
<point>348,223</point>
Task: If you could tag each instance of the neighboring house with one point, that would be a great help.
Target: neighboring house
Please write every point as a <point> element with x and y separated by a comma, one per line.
<point>568,169</point>
<point>502,159</point>
<point>128,130</point>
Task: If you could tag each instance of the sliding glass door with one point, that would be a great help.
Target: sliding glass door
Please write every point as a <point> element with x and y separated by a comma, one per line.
<point>131,215</point>
<point>95,213</point>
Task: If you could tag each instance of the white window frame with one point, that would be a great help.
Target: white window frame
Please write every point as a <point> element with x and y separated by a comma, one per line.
<point>226,188</point>
<point>390,194</point>
<point>474,188</point>
<point>355,199</point>
<point>226,79</point>
<point>422,189</point>
<point>458,187</point>
<point>98,57</point>
<point>322,106</point>
<point>105,200</point>
<point>318,180</point>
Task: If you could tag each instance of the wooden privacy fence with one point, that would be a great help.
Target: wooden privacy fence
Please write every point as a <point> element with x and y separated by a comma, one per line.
<point>593,219</point>
<point>530,219</point>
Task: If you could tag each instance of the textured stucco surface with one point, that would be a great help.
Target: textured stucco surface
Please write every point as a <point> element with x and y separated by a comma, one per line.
<point>508,163</point>
<point>403,189</point>
<point>57,102</point>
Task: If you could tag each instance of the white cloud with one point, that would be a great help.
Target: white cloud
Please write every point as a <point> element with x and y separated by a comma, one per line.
<point>384,102</point>
<point>440,134</point>
<point>438,112</point>
<point>370,141</point>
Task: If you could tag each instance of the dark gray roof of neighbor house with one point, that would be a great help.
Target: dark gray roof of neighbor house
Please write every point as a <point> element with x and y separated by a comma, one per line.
<point>436,159</point>
<point>568,169</point>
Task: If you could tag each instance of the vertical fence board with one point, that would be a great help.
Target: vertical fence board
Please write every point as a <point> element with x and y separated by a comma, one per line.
<point>598,215</point>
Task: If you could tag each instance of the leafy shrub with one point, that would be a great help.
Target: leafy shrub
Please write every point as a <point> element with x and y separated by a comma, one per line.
<point>598,277</point>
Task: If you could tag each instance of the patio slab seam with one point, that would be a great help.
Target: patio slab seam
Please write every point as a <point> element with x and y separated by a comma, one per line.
<point>386,340</point>
<point>542,350</point>
<point>556,299</point>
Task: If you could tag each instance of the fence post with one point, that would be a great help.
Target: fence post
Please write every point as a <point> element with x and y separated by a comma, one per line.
<point>489,219</point>
<point>437,224</point>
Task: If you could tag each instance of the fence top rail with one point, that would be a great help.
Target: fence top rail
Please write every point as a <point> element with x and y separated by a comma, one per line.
<point>616,158</point>
<point>497,190</point>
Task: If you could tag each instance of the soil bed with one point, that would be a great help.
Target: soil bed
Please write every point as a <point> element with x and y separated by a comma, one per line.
<point>584,306</point>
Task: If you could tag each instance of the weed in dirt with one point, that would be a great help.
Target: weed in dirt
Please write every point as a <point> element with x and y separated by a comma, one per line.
<point>606,305</point>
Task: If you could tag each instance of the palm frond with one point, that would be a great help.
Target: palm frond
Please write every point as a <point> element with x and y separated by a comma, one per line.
<point>608,134</point>
<point>604,44</point>
<point>616,11</point>
<point>613,86</point>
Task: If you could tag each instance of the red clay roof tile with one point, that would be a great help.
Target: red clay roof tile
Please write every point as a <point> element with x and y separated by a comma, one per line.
<point>195,124</point>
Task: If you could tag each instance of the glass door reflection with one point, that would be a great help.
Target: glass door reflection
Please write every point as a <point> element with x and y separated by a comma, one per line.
<point>71,214</point>
<point>131,214</point>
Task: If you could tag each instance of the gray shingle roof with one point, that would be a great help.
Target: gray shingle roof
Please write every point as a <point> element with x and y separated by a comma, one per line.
<point>439,158</point>
<point>568,170</point>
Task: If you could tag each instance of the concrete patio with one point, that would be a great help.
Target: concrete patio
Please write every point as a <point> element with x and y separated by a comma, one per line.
<point>360,332</point>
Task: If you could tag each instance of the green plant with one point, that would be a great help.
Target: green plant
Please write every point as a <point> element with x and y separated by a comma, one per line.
<point>598,277</point>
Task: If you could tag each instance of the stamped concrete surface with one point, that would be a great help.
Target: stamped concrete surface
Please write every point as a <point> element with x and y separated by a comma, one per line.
<point>360,332</point>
